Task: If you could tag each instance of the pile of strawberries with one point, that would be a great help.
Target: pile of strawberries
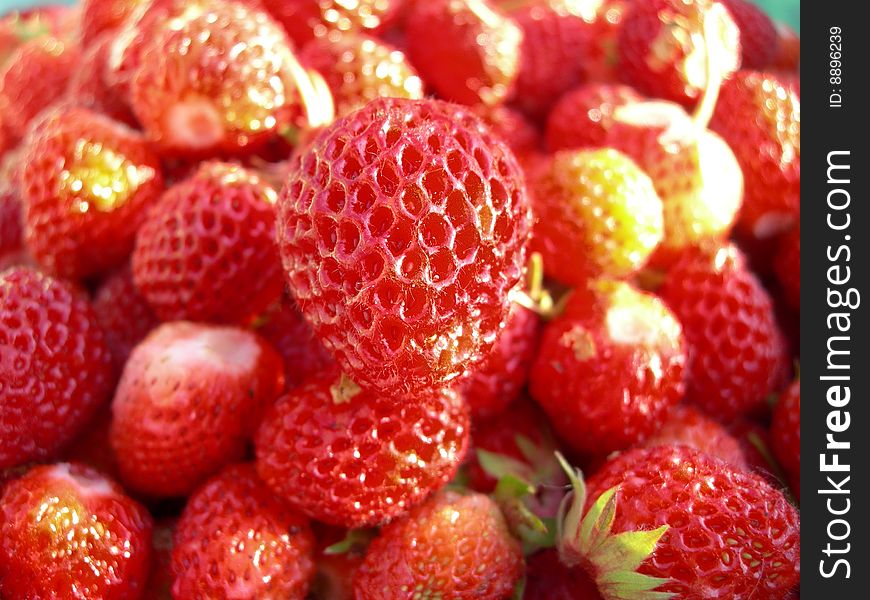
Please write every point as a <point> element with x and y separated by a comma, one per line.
<point>399,299</point>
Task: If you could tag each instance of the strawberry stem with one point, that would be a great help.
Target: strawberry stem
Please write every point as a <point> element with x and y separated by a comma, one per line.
<point>536,297</point>
<point>711,18</point>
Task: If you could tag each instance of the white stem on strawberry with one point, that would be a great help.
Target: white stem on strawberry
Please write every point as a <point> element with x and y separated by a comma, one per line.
<point>535,296</point>
<point>314,92</point>
<point>585,540</point>
<point>714,22</point>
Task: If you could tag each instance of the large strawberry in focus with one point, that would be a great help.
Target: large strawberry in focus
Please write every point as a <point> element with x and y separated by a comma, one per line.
<point>667,47</point>
<point>610,368</point>
<point>672,520</point>
<point>597,214</point>
<point>235,540</point>
<point>215,76</point>
<point>55,367</point>
<point>356,457</point>
<point>454,546</point>
<point>760,118</point>
<point>468,51</point>
<point>207,252</point>
<point>737,353</point>
<point>68,532</point>
<point>402,229</point>
<point>87,182</point>
<point>190,397</point>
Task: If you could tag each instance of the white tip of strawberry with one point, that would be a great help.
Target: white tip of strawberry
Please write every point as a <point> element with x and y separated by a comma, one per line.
<point>190,347</point>
<point>195,124</point>
<point>86,483</point>
<point>612,559</point>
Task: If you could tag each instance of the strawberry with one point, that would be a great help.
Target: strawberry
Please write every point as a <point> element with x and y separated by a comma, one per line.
<point>547,578</point>
<point>512,127</point>
<point>34,77</point>
<point>283,326</point>
<point>305,20</point>
<point>68,532</point>
<point>402,228</point>
<point>92,446</point>
<point>335,573</point>
<point>89,87</point>
<point>18,27</point>
<point>583,116</point>
<point>124,315</point>
<point>500,378</point>
<point>468,51</point>
<point>454,546</point>
<point>693,171</point>
<point>219,77</point>
<point>310,444</point>
<point>788,50</point>
<point>737,353</point>
<point>207,252</point>
<point>672,520</point>
<point>597,215</point>
<point>664,46</point>
<point>688,426</point>
<point>86,187</point>
<point>235,540</point>
<point>787,266</point>
<point>11,225</point>
<point>101,17</point>
<point>358,68</point>
<point>785,433</point>
<point>758,35</point>
<point>55,366</point>
<point>555,46</point>
<point>610,368</point>
<point>188,400</point>
<point>760,117</point>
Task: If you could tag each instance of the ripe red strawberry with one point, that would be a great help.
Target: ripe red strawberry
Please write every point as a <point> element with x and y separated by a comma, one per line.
<point>89,87</point>
<point>235,540</point>
<point>11,217</point>
<point>547,578</point>
<point>785,433</point>
<point>737,354</point>
<point>218,76</point>
<point>699,528</point>
<point>788,49</point>
<point>610,368</point>
<point>34,77</point>
<point>583,116</point>
<point>358,68</point>
<point>86,189</point>
<point>468,51</point>
<point>189,398</point>
<point>55,367</point>
<point>598,214</point>
<point>688,426</point>
<point>454,546</point>
<point>402,229</point>
<point>304,356</point>
<point>760,117</point>
<point>207,252</point>
<point>100,17</point>
<point>500,378</point>
<point>758,35</point>
<point>512,127</point>
<point>787,266</point>
<point>663,47</point>
<point>305,20</point>
<point>124,315</point>
<point>693,171</point>
<point>354,457</point>
<point>68,532</point>
<point>555,46</point>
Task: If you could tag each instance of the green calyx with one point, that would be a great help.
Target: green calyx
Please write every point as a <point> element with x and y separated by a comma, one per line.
<point>356,539</point>
<point>587,540</point>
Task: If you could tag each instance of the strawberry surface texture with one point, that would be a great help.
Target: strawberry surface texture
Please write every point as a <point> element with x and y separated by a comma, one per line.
<point>399,300</point>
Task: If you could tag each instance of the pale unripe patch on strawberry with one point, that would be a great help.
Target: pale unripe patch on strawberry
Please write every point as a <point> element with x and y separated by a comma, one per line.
<point>195,123</point>
<point>635,318</point>
<point>85,485</point>
<point>192,347</point>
